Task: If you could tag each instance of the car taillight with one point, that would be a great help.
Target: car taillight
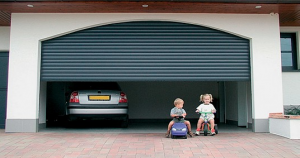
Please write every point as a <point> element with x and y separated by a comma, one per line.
<point>74,97</point>
<point>123,98</point>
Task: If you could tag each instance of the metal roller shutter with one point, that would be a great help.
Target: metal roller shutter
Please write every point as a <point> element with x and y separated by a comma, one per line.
<point>146,51</point>
<point>3,87</point>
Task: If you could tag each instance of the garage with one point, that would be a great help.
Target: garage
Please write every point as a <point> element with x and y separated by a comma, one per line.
<point>154,62</point>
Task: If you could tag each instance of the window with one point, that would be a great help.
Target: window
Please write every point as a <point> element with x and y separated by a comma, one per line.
<point>288,51</point>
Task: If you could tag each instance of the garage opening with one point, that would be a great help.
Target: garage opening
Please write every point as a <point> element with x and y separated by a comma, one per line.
<point>154,61</point>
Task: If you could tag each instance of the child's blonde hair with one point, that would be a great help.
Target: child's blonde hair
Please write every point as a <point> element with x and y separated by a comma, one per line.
<point>177,101</point>
<point>203,95</point>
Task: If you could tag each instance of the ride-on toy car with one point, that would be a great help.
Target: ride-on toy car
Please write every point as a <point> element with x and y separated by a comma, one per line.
<point>179,129</point>
<point>206,127</point>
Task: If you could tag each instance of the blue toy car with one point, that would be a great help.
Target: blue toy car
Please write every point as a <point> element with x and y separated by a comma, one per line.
<point>179,130</point>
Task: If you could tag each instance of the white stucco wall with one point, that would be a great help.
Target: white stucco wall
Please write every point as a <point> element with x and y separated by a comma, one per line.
<point>291,80</point>
<point>4,38</point>
<point>291,127</point>
<point>27,30</point>
<point>291,87</point>
<point>42,106</point>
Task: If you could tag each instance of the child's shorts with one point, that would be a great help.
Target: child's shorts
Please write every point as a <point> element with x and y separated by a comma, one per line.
<point>179,120</point>
<point>209,116</point>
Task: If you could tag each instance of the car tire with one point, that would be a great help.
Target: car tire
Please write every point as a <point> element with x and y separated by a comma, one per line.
<point>69,121</point>
<point>125,122</point>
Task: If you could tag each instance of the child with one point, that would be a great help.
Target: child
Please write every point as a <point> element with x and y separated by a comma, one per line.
<point>206,107</point>
<point>178,111</point>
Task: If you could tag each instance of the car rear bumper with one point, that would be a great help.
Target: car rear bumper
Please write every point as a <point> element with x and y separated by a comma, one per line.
<point>73,117</point>
<point>97,111</point>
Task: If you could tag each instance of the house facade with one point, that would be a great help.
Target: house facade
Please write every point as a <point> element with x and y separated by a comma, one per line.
<point>245,96</point>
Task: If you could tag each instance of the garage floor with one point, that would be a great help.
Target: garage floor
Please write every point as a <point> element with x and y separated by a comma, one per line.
<point>147,127</point>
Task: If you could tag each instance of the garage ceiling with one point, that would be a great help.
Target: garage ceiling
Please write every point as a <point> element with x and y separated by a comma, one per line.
<point>289,10</point>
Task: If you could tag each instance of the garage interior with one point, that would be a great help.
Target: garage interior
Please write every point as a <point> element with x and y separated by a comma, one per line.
<point>150,104</point>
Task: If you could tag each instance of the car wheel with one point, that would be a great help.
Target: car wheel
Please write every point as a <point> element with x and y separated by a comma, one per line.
<point>125,123</point>
<point>69,121</point>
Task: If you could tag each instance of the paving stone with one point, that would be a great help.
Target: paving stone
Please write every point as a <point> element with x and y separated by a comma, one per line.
<point>135,145</point>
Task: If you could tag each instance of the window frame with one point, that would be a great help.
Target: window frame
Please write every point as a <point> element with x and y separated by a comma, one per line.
<point>292,36</point>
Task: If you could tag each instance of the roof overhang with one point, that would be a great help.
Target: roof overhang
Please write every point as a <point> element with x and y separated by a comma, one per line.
<point>288,10</point>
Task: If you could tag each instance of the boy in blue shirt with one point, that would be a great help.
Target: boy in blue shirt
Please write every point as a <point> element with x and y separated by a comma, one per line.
<point>178,111</point>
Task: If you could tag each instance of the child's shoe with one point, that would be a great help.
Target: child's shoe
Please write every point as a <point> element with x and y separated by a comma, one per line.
<point>197,133</point>
<point>167,135</point>
<point>213,132</point>
<point>191,134</point>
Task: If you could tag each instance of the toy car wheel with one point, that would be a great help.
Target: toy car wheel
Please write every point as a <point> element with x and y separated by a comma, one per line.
<point>185,137</point>
<point>172,136</point>
<point>216,129</point>
<point>205,129</point>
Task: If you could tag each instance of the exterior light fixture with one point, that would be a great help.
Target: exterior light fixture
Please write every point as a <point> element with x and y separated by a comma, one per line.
<point>145,5</point>
<point>30,5</point>
<point>258,6</point>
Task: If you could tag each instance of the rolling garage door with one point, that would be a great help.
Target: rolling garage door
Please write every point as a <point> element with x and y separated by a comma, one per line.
<point>146,51</point>
<point>3,87</point>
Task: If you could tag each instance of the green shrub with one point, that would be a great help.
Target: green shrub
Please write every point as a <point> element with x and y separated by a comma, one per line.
<point>292,110</point>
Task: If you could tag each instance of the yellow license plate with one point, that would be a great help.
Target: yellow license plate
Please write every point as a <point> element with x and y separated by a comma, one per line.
<point>99,97</point>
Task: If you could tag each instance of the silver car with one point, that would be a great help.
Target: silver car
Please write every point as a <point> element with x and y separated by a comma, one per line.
<point>101,100</point>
